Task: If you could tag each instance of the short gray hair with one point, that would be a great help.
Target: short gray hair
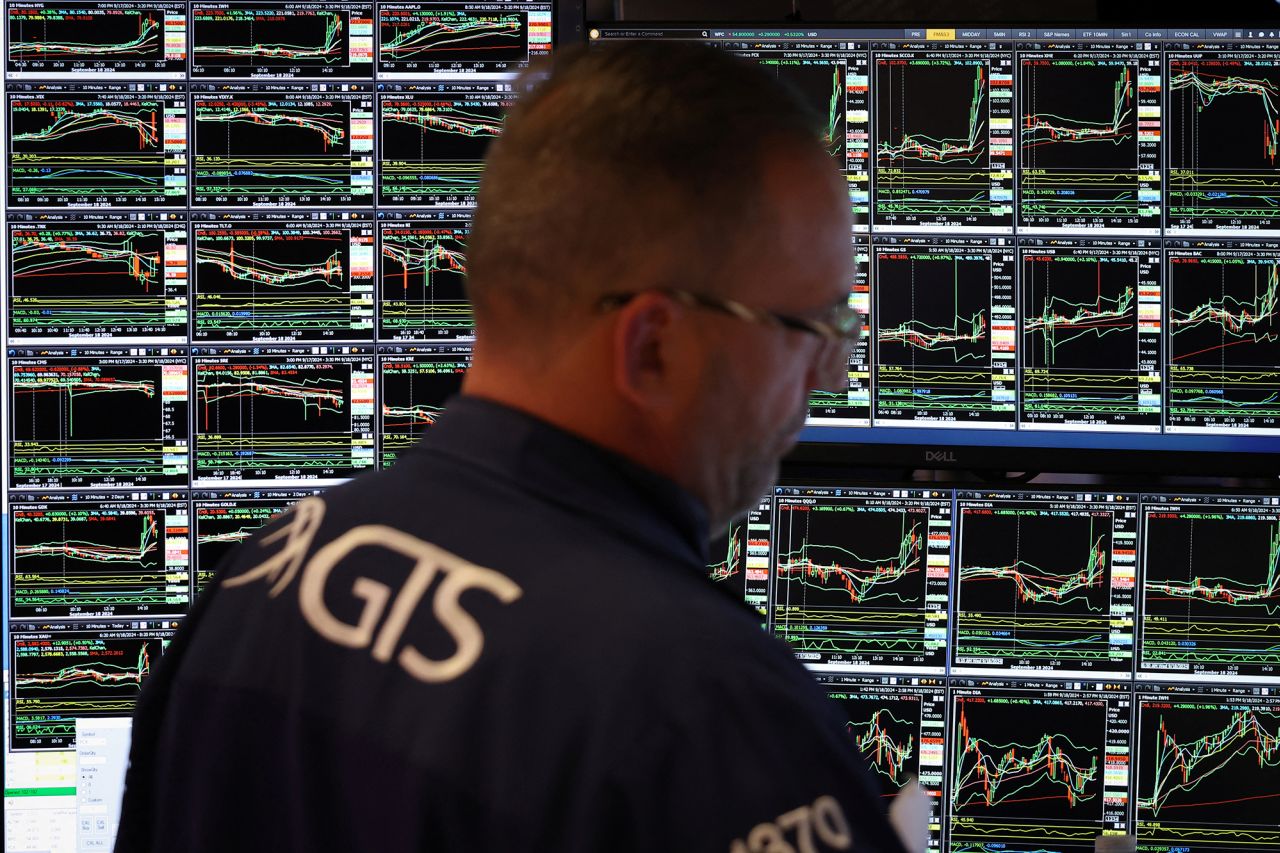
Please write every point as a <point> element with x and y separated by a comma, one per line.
<point>616,157</point>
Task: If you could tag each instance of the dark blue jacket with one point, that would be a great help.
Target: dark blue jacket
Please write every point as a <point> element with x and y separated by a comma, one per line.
<point>507,642</point>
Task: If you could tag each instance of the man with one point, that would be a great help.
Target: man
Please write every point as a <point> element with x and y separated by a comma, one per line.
<point>508,641</point>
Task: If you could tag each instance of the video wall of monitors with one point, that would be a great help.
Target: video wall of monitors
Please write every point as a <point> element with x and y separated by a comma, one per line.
<point>1064,236</point>
<point>1051,664</point>
<point>234,246</point>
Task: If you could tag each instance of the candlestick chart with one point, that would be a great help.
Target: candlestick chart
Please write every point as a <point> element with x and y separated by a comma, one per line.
<point>1224,339</point>
<point>1206,771</point>
<point>1223,125</point>
<point>1087,354</point>
<point>95,149</point>
<point>937,358</point>
<point>934,158</point>
<point>422,282</point>
<point>852,583</point>
<point>1035,588</point>
<point>294,418</point>
<point>288,148</point>
<point>1026,769</point>
<point>410,37</point>
<point>270,36</point>
<point>58,678</point>
<point>414,389</point>
<point>95,281</point>
<point>284,282</point>
<point>1083,159</point>
<point>87,421</point>
<point>1203,613</point>
<point>96,560</point>
<point>434,143</point>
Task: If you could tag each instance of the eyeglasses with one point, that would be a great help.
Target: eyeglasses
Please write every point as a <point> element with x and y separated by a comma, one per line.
<point>842,325</point>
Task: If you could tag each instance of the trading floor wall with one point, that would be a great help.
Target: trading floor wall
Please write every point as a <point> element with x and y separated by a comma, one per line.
<point>235,246</point>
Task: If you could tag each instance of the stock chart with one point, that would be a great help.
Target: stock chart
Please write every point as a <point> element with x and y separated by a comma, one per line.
<point>413,385</point>
<point>1044,582</point>
<point>127,39</point>
<point>1089,142</point>
<point>851,405</point>
<point>1224,341</point>
<point>282,40</point>
<point>943,323</point>
<point>421,280</point>
<point>221,520</point>
<point>860,579</point>
<point>461,38</point>
<point>282,281</point>
<point>78,278</point>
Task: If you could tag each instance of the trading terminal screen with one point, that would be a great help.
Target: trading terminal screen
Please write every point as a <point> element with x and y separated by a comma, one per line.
<point>234,275</point>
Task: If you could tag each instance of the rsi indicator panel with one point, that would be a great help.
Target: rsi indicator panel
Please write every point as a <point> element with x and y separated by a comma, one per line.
<point>61,671</point>
<point>100,418</point>
<point>413,385</point>
<point>288,277</point>
<point>136,40</point>
<point>290,413</point>
<point>97,145</point>
<point>282,40</point>
<point>1089,138</point>
<point>1206,759</point>
<point>456,38</point>
<point>282,144</point>
<point>221,520</point>
<point>1044,582</point>
<point>861,577</point>
<point>943,319</point>
<point>1223,363</point>
<point>851,405</point>
<point>433,137</point>
<point>109,554</point>
<point>943,137</point>
<point>79,277</point>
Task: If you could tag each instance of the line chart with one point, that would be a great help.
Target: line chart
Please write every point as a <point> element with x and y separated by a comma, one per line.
<point>97,559</point>
<point>943,159</point>
<point>1224,339</point>
<point>1223,125</point>
<point>1203,614</point>
<point>944,351</point>
<point>1091,337</point>
<point>99,280</point>
<point>1039,586</point>
<point>731,566</point>
<point>881,738</point>
<point>414,389</point>
<point>853,581</point>
<point>144,44</point>
<point>1089,140</point>
<point>451,35</point>
<point>268,37</point>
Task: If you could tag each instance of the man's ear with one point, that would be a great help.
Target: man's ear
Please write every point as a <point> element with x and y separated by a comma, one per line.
<point>644,349</point>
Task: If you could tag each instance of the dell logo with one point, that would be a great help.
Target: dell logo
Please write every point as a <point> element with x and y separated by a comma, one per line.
<point>939,456</point>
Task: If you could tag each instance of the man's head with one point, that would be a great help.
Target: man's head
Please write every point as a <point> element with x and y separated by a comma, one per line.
<point>634,190</point>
